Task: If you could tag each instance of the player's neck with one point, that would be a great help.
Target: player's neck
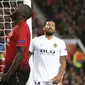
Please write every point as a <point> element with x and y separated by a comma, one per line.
<point>17,21</point>
<point>49,37</point>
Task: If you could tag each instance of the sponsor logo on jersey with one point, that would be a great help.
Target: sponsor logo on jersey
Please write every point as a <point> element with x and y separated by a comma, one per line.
<point>45,51</point>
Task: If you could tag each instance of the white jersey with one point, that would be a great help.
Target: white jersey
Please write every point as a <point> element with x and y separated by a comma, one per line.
<point>46,57</point>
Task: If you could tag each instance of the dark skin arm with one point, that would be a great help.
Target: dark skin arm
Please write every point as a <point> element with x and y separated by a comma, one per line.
<point>58,78</point>
<point>19,56</point>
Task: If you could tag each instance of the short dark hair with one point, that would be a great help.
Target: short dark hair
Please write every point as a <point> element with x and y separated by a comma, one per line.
<point>22,10</point>
<point>49,20</point>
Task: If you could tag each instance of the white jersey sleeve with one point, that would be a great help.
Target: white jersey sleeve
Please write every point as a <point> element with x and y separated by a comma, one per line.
<point>32,45</point>
<point>63,49</point>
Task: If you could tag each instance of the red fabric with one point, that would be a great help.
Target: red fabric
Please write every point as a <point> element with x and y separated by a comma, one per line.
<point>52,2</point>
<point>19,36</point>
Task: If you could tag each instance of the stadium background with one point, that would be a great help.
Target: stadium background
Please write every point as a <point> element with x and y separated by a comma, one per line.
<point>69,16</point>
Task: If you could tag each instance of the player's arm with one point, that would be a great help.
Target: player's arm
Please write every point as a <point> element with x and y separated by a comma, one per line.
<point>62,66</point>
<point>19,56</point>
<point>58,78</point>
<point>63,53</point>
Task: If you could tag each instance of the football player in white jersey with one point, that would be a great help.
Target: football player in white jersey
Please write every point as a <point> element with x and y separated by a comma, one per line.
<point>49,57</point>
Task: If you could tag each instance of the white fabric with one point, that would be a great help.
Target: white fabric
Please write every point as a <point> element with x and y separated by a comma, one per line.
<point>46,57</point>
<point>44,83</point>
<point>30,79</point>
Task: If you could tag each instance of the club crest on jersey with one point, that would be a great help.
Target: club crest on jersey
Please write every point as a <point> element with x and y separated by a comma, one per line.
<point>55,45</point>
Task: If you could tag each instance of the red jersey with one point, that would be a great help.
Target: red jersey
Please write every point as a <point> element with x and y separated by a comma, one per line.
<point>18,37</point>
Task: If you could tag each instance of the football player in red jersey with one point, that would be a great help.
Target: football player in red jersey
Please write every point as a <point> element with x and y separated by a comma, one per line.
<point>17,69</point>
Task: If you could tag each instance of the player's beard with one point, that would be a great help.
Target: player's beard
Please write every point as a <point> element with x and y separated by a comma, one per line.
<point>49,33</point>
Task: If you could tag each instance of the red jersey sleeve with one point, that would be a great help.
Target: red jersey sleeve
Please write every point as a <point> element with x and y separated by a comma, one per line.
<point>22,36</point>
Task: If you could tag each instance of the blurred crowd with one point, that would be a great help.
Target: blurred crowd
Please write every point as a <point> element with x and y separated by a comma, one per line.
<point>68,14</point>
<point>75,70</point>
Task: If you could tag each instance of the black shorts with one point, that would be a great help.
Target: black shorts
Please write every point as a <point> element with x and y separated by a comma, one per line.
<point>18,78</point>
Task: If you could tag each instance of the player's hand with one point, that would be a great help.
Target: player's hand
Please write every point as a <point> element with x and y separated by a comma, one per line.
<point>56,79</point>
<point>5,77</point>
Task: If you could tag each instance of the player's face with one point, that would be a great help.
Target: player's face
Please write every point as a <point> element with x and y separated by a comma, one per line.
<point>49,28</point>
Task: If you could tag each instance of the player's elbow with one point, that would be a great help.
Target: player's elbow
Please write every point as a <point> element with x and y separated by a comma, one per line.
<point>20,52</point>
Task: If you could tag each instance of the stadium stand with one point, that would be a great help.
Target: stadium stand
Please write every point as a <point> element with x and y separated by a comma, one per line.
<point>68,14</point>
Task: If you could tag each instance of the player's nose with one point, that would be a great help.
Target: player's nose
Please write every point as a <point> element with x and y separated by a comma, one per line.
<point>50,27</point>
